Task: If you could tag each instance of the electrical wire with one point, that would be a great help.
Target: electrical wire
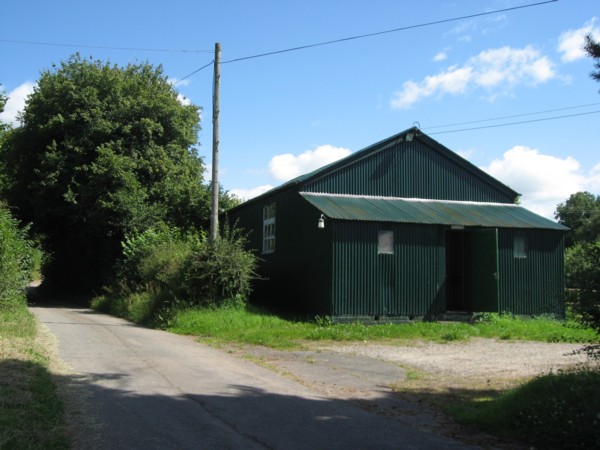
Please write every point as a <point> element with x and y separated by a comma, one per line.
<point>513,116</point>
<point>378,33</point>
<point>194,72</point>
<point>516,123</point>
<point>105,47</point>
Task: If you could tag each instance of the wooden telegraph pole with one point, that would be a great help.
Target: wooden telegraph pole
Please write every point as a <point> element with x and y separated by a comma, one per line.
<point>214,216</point>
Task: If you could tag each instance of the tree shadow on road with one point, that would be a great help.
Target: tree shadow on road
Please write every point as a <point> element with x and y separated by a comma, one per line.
<point>101,415</point>
<point>43,295</point>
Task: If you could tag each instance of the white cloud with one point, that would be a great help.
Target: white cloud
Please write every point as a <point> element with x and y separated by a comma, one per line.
<point>571,42</point>
<point>247,194</point>
<point>464,27</point>
<point>176,81</point>
<point>16,102</point>
<point>497,69</point>
<point>183,100</point>
<point>440,56</point>
<point>593,181</point>
<point>466,154</point>
<point>452,80</point>
<point>543,180</point>
<point>287,166</point>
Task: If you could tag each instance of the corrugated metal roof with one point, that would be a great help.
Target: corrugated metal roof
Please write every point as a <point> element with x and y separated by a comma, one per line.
<point>437,212</point>
<point>300,181</point>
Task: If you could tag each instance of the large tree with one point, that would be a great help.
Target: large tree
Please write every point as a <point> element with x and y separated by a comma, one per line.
<point>102,150</point>
<point>3,128</point>
<point>2,104</point>
<point>592,48</point>
<point>581,213</point>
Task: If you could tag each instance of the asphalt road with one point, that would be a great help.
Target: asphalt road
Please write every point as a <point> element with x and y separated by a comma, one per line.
<point>147,389</point>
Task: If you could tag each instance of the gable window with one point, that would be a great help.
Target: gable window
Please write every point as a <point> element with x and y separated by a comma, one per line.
<point>385,242</point>
<point>520,247</point>
<point>269,228</point>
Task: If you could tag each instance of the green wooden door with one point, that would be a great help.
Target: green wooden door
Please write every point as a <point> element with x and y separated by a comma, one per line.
<point>484,270</point>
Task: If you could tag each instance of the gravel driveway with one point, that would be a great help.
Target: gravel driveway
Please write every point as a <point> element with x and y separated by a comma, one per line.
<point>476,358</point>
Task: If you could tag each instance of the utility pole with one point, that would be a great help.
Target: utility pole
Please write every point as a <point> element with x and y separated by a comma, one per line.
<point>214,215</point>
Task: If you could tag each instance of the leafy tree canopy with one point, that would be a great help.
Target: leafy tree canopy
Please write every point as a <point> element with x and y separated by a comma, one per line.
<point>2,104</point>
<point>3,128</point>
<point>101,151</point>
<point>593,49</point>
<point>581,213</point>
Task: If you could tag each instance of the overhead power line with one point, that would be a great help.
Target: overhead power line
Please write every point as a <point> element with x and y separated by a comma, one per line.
<point>105,47</point>
<point>512,116</point>
<point>394,30</point>
<point>516,123</point>
<point>194,72</point>
<point>377,33</point>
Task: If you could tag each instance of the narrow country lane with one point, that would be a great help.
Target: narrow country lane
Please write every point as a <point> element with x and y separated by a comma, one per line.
<point>148,389</point>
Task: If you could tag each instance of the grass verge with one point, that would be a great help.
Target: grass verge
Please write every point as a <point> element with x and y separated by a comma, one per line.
<point>553,411</point>
<point>31,415</point>
<point>248,325</point>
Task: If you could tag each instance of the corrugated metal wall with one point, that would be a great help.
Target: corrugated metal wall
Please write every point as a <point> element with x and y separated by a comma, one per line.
<point>337,270</point>
<point>297,276</point>
<point>369,284</point>
<point>409,170</point>
<point>535,284</point>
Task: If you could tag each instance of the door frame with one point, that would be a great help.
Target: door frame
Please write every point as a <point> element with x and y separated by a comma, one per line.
<point>471,270</point>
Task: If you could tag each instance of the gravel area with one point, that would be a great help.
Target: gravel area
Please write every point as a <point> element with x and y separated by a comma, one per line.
<point>474,358</point>
<point>378,377</point>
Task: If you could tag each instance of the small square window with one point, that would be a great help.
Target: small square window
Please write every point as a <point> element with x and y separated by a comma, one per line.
<point>520,247</point>
<point>385,242</point>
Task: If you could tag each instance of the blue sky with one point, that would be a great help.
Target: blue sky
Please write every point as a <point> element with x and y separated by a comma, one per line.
<point>286,114</point>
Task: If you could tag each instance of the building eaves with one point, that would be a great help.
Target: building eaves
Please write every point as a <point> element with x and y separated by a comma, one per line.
<point>423,211</point>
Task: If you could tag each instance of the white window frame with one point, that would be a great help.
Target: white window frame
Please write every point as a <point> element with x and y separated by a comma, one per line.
<point>269,228</point>
<point>520,247</point>
<point>385,242</point>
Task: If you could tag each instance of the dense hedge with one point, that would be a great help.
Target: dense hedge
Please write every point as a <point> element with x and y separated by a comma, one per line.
<point>16,258</point>
<point>165,269</point>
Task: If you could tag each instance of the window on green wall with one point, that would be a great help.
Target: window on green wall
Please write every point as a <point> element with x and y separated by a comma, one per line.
<point>385,242</point>
<point>520,247</point>
<point>269,228</point>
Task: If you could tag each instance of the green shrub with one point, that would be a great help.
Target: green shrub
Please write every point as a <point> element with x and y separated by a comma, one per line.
<point>16,257</point>
<point>582,271</point>
<point>553,411</point>
<point>154,257</point>
<point>219,271</point>
<point>150,275</point>
<point>164,270</point>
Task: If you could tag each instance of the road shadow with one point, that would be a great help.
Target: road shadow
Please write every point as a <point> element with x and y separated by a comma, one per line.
<point>100,416</point>
<point>40,294</point>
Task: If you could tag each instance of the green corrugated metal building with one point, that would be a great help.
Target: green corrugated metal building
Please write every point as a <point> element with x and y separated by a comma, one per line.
<point>402,229</point>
